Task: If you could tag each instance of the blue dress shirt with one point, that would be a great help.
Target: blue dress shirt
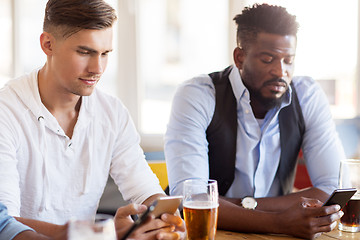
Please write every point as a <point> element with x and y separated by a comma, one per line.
<point>258,140</point>
<point>9,227</point>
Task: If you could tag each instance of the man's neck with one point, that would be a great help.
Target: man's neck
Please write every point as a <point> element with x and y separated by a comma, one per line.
<point>63,106</point>
<point>258,109</point>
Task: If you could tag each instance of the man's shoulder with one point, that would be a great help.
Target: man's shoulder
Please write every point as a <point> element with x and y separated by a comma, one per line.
<point>310,94</point>
<point>303,81</point>
<point>19,84</point>
<point>197,87</point>
<point>305,86</point>
<point>202,80</point>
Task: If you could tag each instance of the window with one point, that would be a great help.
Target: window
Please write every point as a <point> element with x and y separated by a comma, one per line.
<point>186,38</point>
<point>160,43</point>
<point>6,59</point>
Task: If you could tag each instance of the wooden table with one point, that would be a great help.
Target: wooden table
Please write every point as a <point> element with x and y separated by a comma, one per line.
<point>335,234</point>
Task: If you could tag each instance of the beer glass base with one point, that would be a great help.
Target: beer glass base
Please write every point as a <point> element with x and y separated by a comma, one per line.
<point>345,228</point>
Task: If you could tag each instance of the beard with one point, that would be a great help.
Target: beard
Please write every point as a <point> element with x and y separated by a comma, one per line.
<point>268,102</point>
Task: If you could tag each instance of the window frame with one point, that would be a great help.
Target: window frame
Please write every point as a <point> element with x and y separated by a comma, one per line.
<point>131,90</point>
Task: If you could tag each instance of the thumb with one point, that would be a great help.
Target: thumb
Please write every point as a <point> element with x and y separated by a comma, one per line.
<point>130,209</point>
<point>310,202</point>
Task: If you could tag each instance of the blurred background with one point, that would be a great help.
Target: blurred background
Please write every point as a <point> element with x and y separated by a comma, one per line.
<point>160,43</point>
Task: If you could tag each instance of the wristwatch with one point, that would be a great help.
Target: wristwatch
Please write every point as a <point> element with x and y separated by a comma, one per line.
<point>249,203</point>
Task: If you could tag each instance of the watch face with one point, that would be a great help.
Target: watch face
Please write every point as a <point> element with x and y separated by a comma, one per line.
<point>249,203</point>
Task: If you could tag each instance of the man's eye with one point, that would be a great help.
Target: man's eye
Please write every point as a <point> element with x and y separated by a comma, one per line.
<point>83,52</point>
<point>267,59</point>
<point>288,60</point>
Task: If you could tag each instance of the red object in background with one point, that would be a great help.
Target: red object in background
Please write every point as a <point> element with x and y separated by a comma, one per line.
<point>302,179</point>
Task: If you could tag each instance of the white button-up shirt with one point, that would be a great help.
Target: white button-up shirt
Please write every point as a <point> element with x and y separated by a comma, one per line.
<point>45,175</point>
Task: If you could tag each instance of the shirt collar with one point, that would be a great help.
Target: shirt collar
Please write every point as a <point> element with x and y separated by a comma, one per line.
<point>86,109</point>
<point>237,85</point>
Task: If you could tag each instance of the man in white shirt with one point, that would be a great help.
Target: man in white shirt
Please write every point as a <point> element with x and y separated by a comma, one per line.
<point>60,137</point>
<point>244,127</point>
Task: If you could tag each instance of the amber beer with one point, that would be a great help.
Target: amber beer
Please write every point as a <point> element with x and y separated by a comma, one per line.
<point>349,177</point>
<point>351,220</point>
<point>201,220</point>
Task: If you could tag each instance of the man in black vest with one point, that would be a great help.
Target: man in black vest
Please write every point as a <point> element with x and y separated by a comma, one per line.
<point>244,127</point>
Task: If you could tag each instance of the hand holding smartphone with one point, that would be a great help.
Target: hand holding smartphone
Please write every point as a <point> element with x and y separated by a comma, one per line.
<point>340,197</point>
<point>168,204</point>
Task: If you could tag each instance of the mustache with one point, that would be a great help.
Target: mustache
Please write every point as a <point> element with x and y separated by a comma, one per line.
<point>276,80</point>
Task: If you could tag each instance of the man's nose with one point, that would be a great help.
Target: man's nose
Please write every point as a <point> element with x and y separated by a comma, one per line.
<point>279,69</point>
<point>96,65</point>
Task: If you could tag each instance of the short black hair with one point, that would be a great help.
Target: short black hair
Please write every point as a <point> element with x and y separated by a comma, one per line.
<point>264,18</point>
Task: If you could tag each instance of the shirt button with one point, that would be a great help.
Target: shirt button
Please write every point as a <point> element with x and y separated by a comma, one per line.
<point>70,144</point>
<point>246,111</point>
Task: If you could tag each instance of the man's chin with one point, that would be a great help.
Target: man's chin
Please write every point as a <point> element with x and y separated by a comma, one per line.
<point>274,99</point>
<point>269,99</point>
<point>86,93</point>
<point>273,102</point>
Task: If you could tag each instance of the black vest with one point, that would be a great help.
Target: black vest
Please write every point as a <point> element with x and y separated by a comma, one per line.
<point>222,135</point>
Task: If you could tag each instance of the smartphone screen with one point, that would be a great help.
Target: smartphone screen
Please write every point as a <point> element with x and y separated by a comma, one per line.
<point>340,197</point>
<point>167,204</point>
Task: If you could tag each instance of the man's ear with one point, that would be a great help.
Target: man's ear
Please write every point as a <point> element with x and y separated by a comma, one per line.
<point>239,56</point>
<point>47,42</point>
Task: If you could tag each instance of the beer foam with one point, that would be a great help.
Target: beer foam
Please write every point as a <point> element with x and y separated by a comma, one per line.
<point>200,205</point>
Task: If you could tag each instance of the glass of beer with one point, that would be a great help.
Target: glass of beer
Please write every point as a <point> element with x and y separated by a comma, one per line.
<point>350,177</point>
<point>201,203</point>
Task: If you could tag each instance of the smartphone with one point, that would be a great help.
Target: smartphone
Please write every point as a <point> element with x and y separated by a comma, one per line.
<point>168,204</point>
<point>340,197</point>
